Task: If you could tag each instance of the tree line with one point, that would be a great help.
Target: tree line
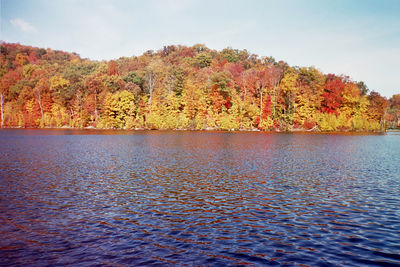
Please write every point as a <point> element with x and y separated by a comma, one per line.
<point>180,87</point>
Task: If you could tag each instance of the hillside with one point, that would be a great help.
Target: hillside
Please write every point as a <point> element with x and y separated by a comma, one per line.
<point>181,87</point>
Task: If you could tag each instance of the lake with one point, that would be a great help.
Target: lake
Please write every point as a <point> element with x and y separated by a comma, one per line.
<point>166,198</point>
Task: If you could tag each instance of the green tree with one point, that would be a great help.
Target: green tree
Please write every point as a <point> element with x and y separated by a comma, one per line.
<point>202,60</point>
<point>230,54</point>
<point>134,77</point>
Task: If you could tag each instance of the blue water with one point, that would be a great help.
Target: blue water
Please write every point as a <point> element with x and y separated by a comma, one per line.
<point>159,198</point>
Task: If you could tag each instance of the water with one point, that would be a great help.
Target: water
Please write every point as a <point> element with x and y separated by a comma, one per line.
<point>158,198</point>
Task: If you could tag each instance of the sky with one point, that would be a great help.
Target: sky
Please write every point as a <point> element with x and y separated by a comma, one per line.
<point>356,38</point>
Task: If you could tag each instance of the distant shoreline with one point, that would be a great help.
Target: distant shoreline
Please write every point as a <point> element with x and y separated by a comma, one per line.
<point>297,131</point>
<point>184,88</point>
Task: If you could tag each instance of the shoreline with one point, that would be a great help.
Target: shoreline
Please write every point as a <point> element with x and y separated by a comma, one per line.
<point>296,131</point>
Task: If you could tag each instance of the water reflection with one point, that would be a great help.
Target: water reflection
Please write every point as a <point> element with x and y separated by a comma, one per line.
<point>198,198</point>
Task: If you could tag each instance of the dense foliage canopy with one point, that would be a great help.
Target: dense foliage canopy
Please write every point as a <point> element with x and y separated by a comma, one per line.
<point>181,87</point>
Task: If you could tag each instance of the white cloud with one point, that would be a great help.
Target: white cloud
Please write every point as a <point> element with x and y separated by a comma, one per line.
<point>23,25</point>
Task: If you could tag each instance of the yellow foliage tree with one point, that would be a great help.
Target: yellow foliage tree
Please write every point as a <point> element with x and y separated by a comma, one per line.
<point>288,90</point>
<point>118,107</point>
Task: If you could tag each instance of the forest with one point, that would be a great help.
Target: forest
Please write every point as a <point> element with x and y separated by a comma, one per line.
<point>181,87</point>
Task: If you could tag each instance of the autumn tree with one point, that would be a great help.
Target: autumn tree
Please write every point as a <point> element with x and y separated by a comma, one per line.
<point>41,86</point>
<point>332,96</point>
<point>60,88</point>
<point>113,69</point>
<point>118,107</point>
<point>153,73</point>
<point>182,87</point>
<point>7,81</point>
<point>288,87</point>
<point>310,84</point>
<point>393,111</point>
<point>354,103</point>
<point>247,83</point>
<point>274,76</point>
<point>261,84</point>
<point>94,83</point>
<point>377,107</point>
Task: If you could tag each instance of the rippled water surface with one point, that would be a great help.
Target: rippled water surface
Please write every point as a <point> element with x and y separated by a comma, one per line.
<point>125,198</point>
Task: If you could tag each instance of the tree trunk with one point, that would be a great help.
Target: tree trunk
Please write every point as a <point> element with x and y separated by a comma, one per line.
<point>151,88</point>
<point>2,113</point>
<point>274,103</point>
<point>151,92</point>
<point>294,103</point>
<point>40,105</point>
<point>95,105</point>
<point>261,102</point>
<point>171,84</point>
<point>72,113</point>
<point>242,107</point>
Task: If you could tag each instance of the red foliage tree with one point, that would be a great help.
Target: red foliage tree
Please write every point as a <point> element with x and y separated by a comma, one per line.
<point>113,68</point>
<point>332,96</point>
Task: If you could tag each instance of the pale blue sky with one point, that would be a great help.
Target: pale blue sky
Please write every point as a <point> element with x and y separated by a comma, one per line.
<point>358,38</point>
